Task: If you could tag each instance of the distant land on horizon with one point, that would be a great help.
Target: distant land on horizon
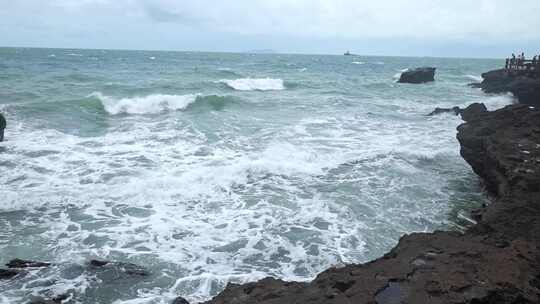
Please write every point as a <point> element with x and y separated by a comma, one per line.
<point>254,51</point>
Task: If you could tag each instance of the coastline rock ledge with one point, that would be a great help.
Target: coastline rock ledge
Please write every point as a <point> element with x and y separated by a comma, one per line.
<point>494,262</point>
<point>419,75</point>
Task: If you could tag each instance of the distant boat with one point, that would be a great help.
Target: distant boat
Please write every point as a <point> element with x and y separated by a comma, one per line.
<point>347,53</point>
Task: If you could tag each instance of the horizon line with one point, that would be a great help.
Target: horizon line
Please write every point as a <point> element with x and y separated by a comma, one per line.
<point>253,52</point>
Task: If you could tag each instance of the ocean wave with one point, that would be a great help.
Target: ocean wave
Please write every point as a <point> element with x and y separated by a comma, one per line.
<point>358,62</point>
<point>157,103</point>
<point>151,104</point>
<point>474,78</point>
<point>254,84</point>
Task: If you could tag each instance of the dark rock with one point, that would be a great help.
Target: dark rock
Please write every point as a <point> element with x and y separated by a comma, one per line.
<point>525,85</point>
<point>473,111</point>
<point>2,127</point>
<point>7,274</point>
<point>496,261</point>
<point>419,75</point>
<point>127,268</point>
<point>97,263</point>
<point>180,300</point>
<point>454,110</point>
<point>55,300</point>
<point>18,263</point>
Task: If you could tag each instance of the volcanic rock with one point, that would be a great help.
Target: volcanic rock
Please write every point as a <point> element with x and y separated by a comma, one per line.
<point>419,75</point>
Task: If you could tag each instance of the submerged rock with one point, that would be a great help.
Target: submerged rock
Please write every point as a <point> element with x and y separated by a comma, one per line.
<point>180,300</point>
<point>127,268</point>
<point>7,274</point>
<point>453,110</point>
<point>18,263</point>
<point>419,75</point>
<point>56,300</point>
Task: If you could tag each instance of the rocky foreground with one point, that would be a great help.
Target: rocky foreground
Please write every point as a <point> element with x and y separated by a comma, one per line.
<point>496,261</point>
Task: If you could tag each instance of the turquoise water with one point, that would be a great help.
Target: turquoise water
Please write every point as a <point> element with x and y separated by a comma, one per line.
<point>209,168</point>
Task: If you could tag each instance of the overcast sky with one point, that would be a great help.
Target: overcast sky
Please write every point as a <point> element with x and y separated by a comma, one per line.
<point>466,28</point>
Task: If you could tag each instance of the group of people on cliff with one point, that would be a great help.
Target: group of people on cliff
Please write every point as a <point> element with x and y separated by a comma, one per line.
<point>521,63</point>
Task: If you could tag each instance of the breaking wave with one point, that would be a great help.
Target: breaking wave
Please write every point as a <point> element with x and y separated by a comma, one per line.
<point>157,103</point>
<point>253,84</point>
<point>474,78</point>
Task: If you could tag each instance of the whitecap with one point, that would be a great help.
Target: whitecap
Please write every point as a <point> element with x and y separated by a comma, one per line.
<point>254,84</point>
<point>150,104</point>
<point>474,78</point>
<point>358,62</point>
<point>152,58</point>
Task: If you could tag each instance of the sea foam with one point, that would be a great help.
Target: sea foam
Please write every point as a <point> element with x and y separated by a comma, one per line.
<point>151,104</point>
<point>254,84</point>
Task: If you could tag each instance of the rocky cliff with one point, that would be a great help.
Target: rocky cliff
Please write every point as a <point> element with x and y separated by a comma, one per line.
<point>525,85</point>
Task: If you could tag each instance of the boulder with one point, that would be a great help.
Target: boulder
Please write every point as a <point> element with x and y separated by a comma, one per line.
<point>180,300</point>
<point>18,263</point>
<point>419,75</point>
<point>453,110</point>
<point>6,274</point>
<point>473,111</point>
<point>119,267</point>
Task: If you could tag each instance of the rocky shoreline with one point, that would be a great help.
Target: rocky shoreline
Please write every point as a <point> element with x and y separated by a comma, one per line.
<point>495,261</point>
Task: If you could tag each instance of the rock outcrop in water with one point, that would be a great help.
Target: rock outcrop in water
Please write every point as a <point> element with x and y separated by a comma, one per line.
<point>496,261</point>
<point>454,110</point>
<point>419,75</point>
<point>525,85</point>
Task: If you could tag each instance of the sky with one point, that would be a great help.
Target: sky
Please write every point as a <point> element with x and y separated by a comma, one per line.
<point>442,28</point>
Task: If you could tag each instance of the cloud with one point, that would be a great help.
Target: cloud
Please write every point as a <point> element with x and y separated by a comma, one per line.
<point>484,22</point>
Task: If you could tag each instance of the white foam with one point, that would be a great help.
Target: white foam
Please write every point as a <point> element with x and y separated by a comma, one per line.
<point>474,78</point>
<point>358,62</point>
<point>254,84</point>
<point>150,104</point>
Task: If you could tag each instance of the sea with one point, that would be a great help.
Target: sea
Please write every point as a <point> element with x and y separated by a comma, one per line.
<point>216,168</point>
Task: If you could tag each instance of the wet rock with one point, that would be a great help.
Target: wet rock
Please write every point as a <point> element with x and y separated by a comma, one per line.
<point>180,300</point>
<point>525,85</point>
<point>495,261</point>
<point>473,111</point>
<point>18,263</point>
<point>2,127</point>
<point>119,267</point>
<point>419,75</point>
<point>55,300</point>
<point>453,110</point>
<point>6,274</point>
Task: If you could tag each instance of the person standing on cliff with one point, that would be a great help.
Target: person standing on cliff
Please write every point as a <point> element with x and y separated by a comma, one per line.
<point>2,127</point>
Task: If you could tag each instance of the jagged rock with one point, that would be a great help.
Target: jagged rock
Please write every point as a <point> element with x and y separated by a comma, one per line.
<point>7,274</point>
<point>525,85</point>
<point>18,263</point>
<point>127,268</point>
<point>473,111</point>
<point>453,110</point>
<point>180,300</point>
<point>419,75</point>
<point>496,261</point>
<point>55,300</point>
<point>2,127</point>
